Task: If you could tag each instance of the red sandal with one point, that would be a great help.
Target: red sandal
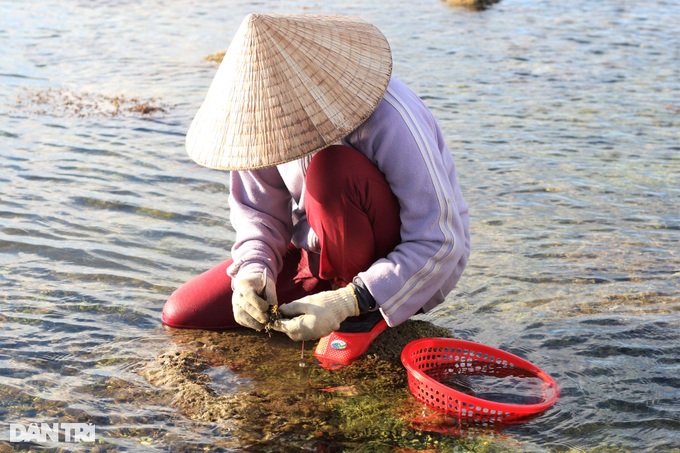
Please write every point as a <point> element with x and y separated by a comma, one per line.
<point>349,342</point>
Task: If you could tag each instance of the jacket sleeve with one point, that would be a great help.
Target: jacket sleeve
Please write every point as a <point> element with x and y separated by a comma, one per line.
<point>260,206</point>
<point>405,143</point>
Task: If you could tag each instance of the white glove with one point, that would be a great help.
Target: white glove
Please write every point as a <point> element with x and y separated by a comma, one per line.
<point>317,315</point>
<point>253,294</point>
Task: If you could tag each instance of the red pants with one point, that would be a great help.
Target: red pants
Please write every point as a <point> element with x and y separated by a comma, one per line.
<point>355,215</point>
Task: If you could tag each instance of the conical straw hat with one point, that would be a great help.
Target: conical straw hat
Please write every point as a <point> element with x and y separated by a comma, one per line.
<point>289,85</point>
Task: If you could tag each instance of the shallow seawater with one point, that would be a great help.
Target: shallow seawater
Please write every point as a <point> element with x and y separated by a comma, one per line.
<point>517,388</point>
<point>563,117</point>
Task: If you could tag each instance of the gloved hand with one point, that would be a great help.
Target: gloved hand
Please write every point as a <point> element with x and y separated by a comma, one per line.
<point>253,294</point>
<point>317,315</point>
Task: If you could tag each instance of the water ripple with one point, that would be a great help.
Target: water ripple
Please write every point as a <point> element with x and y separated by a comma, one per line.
<point>563,118</point>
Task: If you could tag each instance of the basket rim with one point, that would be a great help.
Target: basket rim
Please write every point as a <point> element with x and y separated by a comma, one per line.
<point>527,409</point>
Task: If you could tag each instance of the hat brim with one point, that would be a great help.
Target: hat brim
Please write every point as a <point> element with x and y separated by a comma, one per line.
<point>289,85</point>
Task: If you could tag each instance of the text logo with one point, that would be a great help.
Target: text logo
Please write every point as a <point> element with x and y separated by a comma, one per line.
<point>72,432</point>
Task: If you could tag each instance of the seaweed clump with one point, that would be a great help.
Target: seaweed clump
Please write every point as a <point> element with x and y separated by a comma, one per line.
<point>216,57</point>
<point>65,102</point>
<point>274,317</point>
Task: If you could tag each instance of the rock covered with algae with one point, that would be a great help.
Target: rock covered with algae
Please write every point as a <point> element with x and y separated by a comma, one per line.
<point>359,407</point>
<point>478,5</point>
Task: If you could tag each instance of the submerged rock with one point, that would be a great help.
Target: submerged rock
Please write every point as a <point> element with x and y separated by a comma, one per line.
<point>278,402</point>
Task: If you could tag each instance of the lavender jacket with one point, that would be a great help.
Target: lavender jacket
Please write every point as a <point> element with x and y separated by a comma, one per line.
<point>404,141</point>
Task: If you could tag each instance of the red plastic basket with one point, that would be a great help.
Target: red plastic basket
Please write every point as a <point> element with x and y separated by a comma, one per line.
<point>429,361</point>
